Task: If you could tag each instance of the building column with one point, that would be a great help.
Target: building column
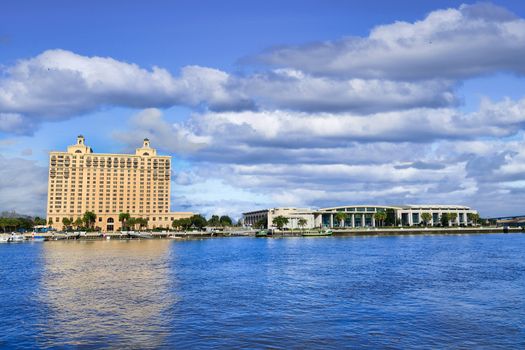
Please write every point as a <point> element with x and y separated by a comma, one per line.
<point>353,220</point>
<point>410,219</point>
<point>331,220</point>
<point>362,220</point>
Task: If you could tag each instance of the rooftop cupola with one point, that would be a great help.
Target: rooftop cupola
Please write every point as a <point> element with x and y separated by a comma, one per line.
<point>80,147</point>
<point>146,149</point>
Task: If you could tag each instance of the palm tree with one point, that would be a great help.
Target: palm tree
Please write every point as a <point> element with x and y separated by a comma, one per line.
<point>380,216</point>
<point>341,217</point>
<point>302,223</point>
<point>89,218</point>
<point>426,217</point>
<point>473,217</point>
<point>78,223</point>
<point>66,222</point>
<point>453,217</point>
<point>142,222</point>
<point>123,218</point>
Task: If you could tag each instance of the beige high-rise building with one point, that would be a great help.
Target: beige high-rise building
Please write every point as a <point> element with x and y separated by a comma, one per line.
<point>110,184</point>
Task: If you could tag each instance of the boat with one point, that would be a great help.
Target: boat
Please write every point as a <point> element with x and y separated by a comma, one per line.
<point>4,238</point>
<point>16,238</point>
<point>145,235</point>
<point>261,233</point>
<point>321,233</point>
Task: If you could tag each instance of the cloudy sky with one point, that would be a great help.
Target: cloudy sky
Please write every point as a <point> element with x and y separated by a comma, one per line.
<point>273,103</point>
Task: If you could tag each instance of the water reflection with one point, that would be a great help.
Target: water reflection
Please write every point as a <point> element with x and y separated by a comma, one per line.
<point>105,293</point>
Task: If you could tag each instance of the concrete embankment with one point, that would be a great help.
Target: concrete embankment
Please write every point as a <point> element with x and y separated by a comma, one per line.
<point>428,230</point>
<point>336,232</point>
<point>136,235</point>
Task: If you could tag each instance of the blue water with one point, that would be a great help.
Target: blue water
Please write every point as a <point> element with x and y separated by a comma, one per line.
<point>450,291</point>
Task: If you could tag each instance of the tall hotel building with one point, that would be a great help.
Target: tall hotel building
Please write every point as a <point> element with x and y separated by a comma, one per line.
<point>110,184</point>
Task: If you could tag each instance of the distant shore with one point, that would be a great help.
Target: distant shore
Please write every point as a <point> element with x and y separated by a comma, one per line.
<point>251,233</point>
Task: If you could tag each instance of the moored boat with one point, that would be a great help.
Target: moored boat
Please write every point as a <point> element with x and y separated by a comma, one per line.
<point>261,233</point>
<point>16,238</point>
<point>321,233</point>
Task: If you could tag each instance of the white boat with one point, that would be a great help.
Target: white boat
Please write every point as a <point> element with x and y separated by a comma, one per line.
<point>4,238</point>
<point>16,238</point>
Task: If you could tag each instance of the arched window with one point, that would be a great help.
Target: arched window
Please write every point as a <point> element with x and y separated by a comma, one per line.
<point>110,220</point>
<point>78,151</point>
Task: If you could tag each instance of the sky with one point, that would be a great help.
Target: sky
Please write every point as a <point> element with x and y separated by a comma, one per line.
<point>273,103</point>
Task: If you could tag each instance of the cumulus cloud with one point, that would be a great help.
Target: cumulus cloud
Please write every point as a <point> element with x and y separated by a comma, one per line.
<point>320,160</point>
<point>23,187</point>
<point>15,123</point>
<point>296,90</point>
<point>178,138</point>
<point>454,43</point>
<point>287,129</point>
<point>58,84</point>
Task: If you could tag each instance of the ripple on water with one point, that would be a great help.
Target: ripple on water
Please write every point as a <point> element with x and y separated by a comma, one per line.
<point>366,292</point>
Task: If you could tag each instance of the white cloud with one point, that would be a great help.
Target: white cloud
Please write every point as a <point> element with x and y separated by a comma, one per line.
<point>149,123</point>
<point>23,186</point>
<point>457,43</point>
<point>320,160</point>
<point>58,84</point>
<point>293,89</point>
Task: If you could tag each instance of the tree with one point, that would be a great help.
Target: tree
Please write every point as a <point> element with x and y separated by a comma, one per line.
<point>198,221</point>
<point>38,221</point>
<point>445,218</point>
<point>341,217</point>
<point>225,220</point>
<point>302,223</point>
<point>131,222</point>
<point>142,222</point>
<point>280,221</point>
<point>123,218</point>
<point>78,223</point>
<point>453,217</point>
<point>381,217</point>
<point>426,217</point>
<point>260,224</point>
<point>391,219</point>
<point>473,217</point>
<point>214,220</point>
<point>89,218</point>
<point>66,222</point>
<point>3,224</point>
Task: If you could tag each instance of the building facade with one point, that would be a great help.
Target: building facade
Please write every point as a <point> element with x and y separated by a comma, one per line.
<point>110,184</point>
<point>355,216</point>
<point>266,216</point>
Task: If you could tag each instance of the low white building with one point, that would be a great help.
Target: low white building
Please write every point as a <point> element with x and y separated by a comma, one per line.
<point>362,216</point>
<point>292,214</point>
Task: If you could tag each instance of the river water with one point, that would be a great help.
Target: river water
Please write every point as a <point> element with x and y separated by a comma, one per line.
<point>441,291</point>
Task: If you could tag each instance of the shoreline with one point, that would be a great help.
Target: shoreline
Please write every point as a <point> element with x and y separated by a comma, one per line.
<point>224,234</point>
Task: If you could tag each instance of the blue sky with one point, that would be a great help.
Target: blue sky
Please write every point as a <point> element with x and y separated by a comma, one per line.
<point>272,103</point>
